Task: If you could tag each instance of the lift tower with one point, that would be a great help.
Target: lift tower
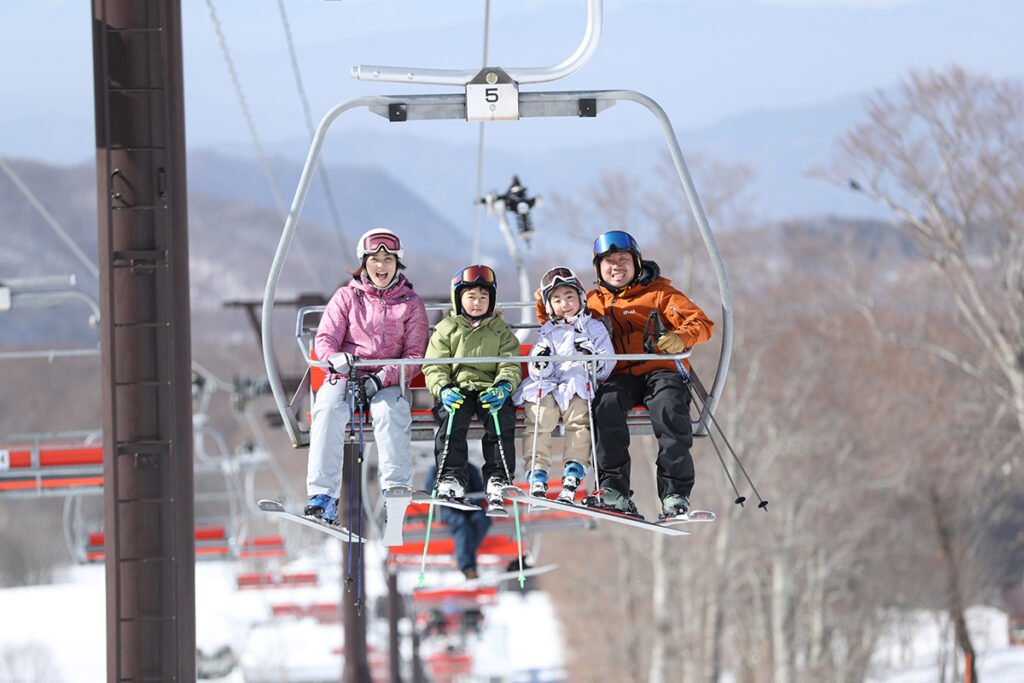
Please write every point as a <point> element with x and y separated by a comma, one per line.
<point>145,340</point>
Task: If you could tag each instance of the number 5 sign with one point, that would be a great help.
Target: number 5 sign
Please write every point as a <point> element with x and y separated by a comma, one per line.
<point>492,96</point>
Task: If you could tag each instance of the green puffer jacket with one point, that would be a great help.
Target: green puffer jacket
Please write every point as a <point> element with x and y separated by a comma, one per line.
<point>455,337</point>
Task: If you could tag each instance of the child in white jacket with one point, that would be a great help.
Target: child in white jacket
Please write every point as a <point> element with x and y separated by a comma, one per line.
<point>562,388</point>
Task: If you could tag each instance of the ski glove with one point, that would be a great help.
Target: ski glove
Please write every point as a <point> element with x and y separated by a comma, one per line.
<point>671,343</point>
<point>371,384</point>
<point>495,397</point>
<point>452,397</point>
<point>584,345</point>
<point>340,363</point>
<point>541,348</point>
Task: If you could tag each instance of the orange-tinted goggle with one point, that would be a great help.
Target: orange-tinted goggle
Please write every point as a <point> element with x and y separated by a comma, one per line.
<point>474,274</point>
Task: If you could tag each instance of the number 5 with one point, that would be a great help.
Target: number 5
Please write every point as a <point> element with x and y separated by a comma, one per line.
<point>491,94</point>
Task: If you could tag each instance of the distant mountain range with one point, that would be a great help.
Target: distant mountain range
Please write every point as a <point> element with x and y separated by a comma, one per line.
<point>780,146</point>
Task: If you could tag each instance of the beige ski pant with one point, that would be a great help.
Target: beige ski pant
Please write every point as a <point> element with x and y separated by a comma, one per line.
<point>576,419</point>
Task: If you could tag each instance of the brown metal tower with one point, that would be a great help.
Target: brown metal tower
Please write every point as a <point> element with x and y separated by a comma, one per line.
<point>146,340</point>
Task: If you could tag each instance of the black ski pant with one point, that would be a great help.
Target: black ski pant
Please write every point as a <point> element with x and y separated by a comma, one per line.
<point>665,395</point>
<point>457,461</point>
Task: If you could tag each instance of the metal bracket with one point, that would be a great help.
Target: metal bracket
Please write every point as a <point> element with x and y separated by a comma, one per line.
<point>492,95</point>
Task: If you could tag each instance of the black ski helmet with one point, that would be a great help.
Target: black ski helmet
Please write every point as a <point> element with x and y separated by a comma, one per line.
<point>612,241</point>
<point>474,276</point>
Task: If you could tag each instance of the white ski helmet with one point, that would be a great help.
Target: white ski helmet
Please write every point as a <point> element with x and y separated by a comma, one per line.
<point>374,240</point>
<point>556,277</point>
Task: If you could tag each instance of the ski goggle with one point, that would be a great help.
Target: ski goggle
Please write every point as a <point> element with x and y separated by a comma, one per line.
<point>558,276</point>
<point>376,241</point>
<point>616,240</point>
<point>474,274</point>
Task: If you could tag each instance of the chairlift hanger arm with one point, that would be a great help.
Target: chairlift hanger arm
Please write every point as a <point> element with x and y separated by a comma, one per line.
<point>460,77</point>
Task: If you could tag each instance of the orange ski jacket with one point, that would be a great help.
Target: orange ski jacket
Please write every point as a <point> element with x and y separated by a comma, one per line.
<point>627,312</point>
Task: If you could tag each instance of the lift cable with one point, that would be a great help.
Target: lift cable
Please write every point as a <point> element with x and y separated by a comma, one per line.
<point>324,180</point>
<point>50,220</point>
<point>303,254</point>
<point>480,150</point>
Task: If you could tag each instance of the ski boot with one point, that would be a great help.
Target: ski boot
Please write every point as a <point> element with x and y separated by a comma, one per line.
<point>572,477</point>
<point>451,488</point>
<point>322,507</point>
<point>613,501</point>
<point>674,506</point>
<point>538,483</point>
<point>496,497</point>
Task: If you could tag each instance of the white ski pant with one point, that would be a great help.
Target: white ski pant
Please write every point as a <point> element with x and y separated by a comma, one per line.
<point>392,422</point>
<point>576,420</point>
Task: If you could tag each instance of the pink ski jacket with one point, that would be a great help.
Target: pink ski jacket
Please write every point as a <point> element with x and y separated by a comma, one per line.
<point>373,323</point>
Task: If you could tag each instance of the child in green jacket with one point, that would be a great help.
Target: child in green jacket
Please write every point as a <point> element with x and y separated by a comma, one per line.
<point>469,389</point>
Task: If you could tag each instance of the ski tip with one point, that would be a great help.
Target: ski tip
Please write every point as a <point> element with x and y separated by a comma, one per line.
<point>269,505</point>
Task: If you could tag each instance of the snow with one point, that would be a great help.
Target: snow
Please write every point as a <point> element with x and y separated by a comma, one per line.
<point>62,627</point>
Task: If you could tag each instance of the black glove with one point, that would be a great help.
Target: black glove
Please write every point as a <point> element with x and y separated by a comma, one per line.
<point>585,346</point>
<point>541,348</point>
<point>359,392</point>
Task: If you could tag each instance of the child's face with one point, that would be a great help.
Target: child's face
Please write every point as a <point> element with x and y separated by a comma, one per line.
<point>475,301</point>
<point>618,269</point>
<point>381,268</point>
<point>565,301</point>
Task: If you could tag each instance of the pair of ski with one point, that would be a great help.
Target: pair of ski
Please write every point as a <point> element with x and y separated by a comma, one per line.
<point>398,499</point>
<point>668,526</point>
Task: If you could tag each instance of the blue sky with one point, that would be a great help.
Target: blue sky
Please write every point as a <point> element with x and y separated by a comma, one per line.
<point>702,60</point>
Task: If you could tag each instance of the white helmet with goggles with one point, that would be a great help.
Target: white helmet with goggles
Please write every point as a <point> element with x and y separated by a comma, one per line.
<point>374,240</point>
<point>557,277</point>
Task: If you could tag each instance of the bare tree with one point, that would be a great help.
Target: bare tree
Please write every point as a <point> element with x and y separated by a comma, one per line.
<point>945,154</point>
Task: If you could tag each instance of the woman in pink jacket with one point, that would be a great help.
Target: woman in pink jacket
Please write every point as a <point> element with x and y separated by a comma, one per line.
<point>376,315</point>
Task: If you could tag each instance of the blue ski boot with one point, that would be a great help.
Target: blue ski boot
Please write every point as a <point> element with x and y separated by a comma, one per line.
<point>572,477</point>
<point>322,507</point>
<point>538,483</point>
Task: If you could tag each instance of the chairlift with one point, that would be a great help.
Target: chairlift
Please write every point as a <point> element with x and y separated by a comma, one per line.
<point>489,94</point>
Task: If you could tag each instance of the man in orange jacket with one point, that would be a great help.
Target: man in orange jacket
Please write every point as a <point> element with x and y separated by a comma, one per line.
<point>629,291</point>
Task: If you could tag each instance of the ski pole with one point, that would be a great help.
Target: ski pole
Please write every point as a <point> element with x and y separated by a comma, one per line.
<point>591,390</point>
<point>536,431</point>
<point>352,437</point>
<point>433,494</point>
<point>762,503</point>
<point>515,505</point>
<point>359,507</point>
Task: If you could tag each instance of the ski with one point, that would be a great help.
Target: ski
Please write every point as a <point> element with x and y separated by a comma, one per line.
<point>425,497</point>
<point>275,507</point>
<point>396,500</point>
<point>690,517</point>
<point>517,494</point>
<point>491,579</point>
<point>497,512</point>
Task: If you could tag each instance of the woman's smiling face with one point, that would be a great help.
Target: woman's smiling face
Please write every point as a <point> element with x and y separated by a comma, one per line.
<point>381,268</point>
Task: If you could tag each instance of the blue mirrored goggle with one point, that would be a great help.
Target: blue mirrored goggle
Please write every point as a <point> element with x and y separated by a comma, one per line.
<point>614,240</point>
